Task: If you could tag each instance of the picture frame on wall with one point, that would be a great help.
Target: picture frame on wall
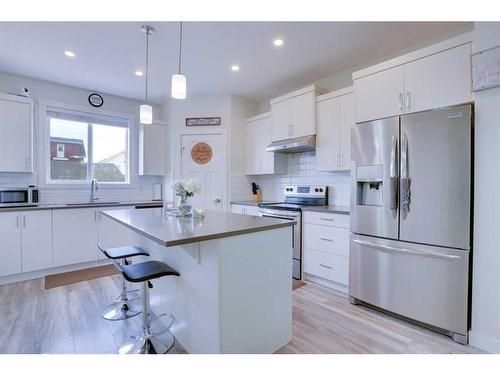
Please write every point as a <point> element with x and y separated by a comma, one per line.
<point>203,121</point>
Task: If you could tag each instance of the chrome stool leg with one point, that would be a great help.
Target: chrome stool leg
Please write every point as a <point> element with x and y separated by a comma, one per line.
<point>149,342</point>
<point>127,305</point>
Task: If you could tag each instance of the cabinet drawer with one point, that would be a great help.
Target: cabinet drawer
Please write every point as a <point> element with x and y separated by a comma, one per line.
<point>332,240</point>
<point>245,209</point>
<point>333,220</point>
<point>328,266</point>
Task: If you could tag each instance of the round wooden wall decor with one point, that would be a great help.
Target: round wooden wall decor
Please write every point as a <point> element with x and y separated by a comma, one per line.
<point>201,153</point>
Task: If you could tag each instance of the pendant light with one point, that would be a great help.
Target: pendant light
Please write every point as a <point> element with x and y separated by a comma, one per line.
<point>145,110</point>
<point>179,80</point>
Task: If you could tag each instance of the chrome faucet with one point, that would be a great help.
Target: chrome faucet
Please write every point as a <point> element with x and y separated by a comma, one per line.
<point>94,188</point>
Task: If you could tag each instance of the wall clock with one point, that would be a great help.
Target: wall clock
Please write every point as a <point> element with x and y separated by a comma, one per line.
<point>96,100</point>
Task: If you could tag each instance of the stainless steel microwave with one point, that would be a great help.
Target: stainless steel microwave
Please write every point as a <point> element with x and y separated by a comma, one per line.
<point>13,197</point>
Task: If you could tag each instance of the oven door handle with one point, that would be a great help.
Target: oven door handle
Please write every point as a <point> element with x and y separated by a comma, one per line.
<point>284,217</point>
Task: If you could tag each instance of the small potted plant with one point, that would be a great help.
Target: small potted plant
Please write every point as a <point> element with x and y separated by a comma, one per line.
<point>184,189</point>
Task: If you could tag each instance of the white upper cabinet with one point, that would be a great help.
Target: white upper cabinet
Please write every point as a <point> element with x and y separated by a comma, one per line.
<point>379,95</point>
<point>258,137</point>
<point>16,134</point>
<point>294,114</point>
<point>153,150</point>
<point>281,121</point>
<point>439,80</point>
<point>335,113</point>
<point>327,140</point>
<point>433,77</point>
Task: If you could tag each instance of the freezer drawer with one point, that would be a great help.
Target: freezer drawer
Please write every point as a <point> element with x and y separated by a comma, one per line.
<point>424,283</point>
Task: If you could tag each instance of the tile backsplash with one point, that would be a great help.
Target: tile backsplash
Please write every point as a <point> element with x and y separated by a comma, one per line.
<point>301,170</point>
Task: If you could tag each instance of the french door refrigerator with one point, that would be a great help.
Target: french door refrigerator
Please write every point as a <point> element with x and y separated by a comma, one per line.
<point>410,217</point>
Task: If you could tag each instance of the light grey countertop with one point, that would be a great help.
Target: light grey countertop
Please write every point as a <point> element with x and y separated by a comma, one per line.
<point>344,210</point>
<point>173,231</point>
<point>331,208</point>
<point>80,205</point>
<point>250,203</point>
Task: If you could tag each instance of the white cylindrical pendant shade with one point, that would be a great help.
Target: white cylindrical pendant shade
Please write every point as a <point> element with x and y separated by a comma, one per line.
<point>146,114</point>
<point>178,86</point>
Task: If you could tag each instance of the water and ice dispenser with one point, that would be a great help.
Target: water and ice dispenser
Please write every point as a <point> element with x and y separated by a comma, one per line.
<point>370,185</point>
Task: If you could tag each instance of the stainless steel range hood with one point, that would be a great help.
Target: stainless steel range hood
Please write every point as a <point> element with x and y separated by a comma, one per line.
<point>294,145</point>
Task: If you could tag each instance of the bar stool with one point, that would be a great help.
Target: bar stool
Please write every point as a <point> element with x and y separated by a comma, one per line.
<point>127,305</point>
<point>149,342</point>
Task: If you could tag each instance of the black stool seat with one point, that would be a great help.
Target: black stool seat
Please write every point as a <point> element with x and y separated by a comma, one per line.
<point>123,252</point>
<point>153,269</point>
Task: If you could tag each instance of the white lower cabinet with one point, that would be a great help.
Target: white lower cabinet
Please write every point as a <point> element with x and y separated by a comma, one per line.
<point>10,243</point>
<point>326,248</point>
<point>75,236</point>
<point>245,209</point>
<point>36,240</point>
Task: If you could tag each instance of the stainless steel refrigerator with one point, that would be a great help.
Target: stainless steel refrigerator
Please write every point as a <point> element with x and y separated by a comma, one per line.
<point>411,216</point>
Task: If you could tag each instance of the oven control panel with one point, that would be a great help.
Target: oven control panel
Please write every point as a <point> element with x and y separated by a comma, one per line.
<point>318,191</point>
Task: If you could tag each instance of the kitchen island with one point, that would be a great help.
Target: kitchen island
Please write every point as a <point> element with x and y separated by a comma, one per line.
<point>234,293</point>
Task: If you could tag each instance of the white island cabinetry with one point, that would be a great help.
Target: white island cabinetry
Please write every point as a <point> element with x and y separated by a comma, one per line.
<point>234,292</point>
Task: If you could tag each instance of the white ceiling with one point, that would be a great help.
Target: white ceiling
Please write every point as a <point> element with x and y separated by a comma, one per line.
<point>108,53</point>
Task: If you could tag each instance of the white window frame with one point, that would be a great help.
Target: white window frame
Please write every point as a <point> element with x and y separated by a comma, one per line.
<point>101,117</point>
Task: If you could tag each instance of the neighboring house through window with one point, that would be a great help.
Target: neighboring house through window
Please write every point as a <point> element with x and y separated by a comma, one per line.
<point>85,147</point>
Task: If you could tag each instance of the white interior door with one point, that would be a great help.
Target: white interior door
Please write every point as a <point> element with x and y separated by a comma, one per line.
<point>203,158</point>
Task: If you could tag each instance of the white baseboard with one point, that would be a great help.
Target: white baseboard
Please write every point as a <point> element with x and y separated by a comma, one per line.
<point>50,271</point>
<point>326,283</point>
<point>486,343</point>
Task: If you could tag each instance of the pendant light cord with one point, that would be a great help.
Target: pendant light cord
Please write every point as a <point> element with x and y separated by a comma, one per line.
<point>147,61</point>
<point>180,47</point>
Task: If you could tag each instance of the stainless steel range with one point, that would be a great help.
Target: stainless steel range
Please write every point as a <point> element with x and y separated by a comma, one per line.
<point>296,197</point>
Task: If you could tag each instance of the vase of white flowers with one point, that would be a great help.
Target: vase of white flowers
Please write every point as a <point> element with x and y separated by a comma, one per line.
<point>185,189</point>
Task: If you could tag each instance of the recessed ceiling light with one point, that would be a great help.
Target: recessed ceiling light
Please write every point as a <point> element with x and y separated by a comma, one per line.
<point>235,68</point>
<point>139,73</point>
<point>278,42</point>
<point>69,53</point>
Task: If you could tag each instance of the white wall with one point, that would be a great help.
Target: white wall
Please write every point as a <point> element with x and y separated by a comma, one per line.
<point>141,188</point>
<point>232,110</point>
<point>485,331</point>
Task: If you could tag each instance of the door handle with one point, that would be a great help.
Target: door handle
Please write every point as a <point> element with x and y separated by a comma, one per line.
<point>393,183</point>
<point>17,221</point>
<point>326,239</point>
<point>408,103</point>
<point>423,253</point>
<point>326,219</point>
<point>24,221</point>
<point>400,100</point>
<point>218,200</point>
<point>325,266</point>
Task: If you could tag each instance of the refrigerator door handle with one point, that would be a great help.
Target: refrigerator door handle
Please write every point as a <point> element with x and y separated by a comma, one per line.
<point>423,253</point>
<point>404,183</point>
<point>393,183</point>
<point>404,156</point>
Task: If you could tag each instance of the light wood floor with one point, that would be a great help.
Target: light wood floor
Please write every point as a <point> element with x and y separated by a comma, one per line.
<point>67,320</point>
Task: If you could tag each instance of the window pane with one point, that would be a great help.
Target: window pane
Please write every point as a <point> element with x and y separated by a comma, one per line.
<point>68,150</point>
<point>109,153</point>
